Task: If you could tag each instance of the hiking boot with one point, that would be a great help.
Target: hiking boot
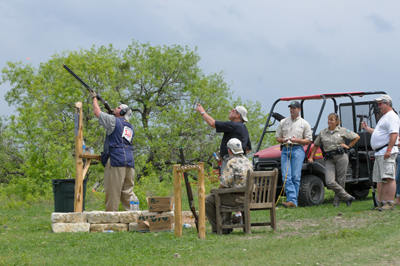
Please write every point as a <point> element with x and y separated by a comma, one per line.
<point>380,205</point>
<point>237,219</point>
<point>388,206</point>
<point>349,201</point>
<point>289,204</point>
<point>227,231</point>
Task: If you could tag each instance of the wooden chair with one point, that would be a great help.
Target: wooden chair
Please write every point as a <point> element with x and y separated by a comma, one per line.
<point>259,194</point>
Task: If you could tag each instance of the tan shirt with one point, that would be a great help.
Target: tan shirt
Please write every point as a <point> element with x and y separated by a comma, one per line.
<point>298,127</point>
<point>332,140</point>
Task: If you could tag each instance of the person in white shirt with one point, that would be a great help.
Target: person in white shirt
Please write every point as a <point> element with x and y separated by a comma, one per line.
<point>384,141</point>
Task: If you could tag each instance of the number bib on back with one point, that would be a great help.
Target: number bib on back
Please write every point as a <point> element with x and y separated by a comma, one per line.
<point>127,133</point>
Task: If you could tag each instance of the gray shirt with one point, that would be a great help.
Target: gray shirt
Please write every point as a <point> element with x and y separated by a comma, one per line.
<point>108,122</point>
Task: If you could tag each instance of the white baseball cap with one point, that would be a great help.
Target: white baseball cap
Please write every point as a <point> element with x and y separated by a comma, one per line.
<point>235,145</point>
<point>243,112</point>
<point>384,98</point>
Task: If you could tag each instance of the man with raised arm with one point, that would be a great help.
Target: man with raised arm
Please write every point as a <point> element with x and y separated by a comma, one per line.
<point>117,158</point>
<point>234,128</point>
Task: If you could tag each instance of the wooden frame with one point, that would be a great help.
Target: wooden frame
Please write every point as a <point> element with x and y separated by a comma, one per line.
<point>177,170</point>
<point>81,170</point>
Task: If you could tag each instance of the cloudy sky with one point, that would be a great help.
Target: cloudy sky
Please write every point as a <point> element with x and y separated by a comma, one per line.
<point>268,49</point>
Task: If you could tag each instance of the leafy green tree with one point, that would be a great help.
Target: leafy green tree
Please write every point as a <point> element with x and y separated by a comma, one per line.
<point>160,83</point>
<point>11,159</point>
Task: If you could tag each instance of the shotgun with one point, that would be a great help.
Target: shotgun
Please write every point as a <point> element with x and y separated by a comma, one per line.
<point>105,103</point>
<point>189,191</point>
<point>368,166</point>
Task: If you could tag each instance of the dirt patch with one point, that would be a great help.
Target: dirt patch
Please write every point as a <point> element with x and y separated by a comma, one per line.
<point>253,237</point>
<point>288,234</point>
<point>310,227</point>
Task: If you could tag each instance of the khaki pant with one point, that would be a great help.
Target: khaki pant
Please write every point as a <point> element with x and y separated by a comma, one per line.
<point>226,199</point>
<point>335,176</point>
<point>118,185</point>
<point>384,169</point>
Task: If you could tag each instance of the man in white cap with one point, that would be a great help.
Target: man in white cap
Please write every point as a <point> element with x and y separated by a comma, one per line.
<point>234,176</point>
<point>117,158</point>
<point>384,140</point>
<point>293,133</point>
<point>234,128</point>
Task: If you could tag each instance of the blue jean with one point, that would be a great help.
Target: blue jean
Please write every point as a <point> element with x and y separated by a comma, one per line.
<point>293,168</point>
<point>398,177</point>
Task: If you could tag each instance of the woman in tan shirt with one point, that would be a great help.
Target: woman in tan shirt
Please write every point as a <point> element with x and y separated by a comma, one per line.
<point>336,159</point>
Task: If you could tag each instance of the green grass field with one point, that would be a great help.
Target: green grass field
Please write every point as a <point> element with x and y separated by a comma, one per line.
<point>305,236</point>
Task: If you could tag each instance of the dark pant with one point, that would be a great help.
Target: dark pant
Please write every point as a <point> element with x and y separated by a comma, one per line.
<point>226,199</point>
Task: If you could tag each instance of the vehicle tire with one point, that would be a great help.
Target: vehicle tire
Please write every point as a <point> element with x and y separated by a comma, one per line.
<point>311,191</point>
<point>359,193</point>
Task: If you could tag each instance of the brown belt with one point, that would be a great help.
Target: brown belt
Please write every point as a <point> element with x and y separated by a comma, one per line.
<point>239,193</point>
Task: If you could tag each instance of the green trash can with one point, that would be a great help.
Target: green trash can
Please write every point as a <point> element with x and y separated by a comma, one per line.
<point>64,194</point>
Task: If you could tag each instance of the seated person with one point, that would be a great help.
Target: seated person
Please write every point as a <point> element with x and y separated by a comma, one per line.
<point>234,176</point>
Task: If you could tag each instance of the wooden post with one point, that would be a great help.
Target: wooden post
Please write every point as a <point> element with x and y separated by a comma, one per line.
<point>202,204</point>
<point>78,200</point>
<point>178,202</point>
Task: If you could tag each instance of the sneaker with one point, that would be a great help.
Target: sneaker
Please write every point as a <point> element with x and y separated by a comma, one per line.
<point>237,219</point>
<point>227,231</point>
<point>380,205</point>
<point>388,206</point>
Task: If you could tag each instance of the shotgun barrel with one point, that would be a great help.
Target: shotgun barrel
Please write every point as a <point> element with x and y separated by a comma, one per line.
<point>104,102</point>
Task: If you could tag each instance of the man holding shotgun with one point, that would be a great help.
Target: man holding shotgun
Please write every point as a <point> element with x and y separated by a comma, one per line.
<point>117,157</point>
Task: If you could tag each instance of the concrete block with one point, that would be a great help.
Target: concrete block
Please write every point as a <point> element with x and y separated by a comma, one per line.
<point>128,217</point>
<point>133,227</point>
<point>76,217</point>
<point>102,217</point>
<point>70,227</point>
<point>94,228</point>
<point>58,217</point>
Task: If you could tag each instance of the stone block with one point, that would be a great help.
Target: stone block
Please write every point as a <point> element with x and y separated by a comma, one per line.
<point>58,217</point>
<point>102,217</point>
<point>128,217</point>
<point>70,227</point>
<point>133,227</point>
<point>94,228</point>
<point>76,217</point>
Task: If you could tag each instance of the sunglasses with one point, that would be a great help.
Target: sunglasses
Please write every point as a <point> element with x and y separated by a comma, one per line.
<point>379,104</point>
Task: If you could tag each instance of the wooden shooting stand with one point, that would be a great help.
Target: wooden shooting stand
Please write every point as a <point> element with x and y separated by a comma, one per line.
<point>178,169</point>
<point>80,169</point>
